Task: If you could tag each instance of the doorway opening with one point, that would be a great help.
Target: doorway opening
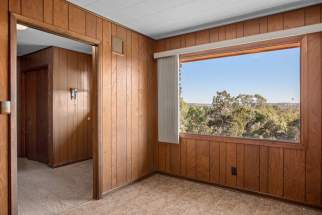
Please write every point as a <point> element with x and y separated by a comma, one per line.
<point>54,144</point>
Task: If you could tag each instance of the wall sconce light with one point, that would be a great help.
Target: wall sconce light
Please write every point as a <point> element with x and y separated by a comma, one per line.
<point>73,93</point>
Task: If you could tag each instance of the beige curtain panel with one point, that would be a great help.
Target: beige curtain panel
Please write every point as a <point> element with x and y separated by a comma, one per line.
<point>168,99</point>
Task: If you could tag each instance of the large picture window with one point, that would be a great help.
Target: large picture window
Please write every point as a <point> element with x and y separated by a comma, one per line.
<point>251,96</point>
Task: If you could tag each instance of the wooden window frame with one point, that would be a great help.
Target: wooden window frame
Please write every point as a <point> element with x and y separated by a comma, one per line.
<point>96,102</point>
<point>274,45</point>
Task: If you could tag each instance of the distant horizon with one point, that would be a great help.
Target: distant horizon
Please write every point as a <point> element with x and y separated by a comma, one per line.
<point>275,75</point>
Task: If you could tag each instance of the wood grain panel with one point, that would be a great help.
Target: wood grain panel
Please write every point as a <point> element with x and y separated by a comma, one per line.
<point>264,163</point>
<point>231,180</point>
<point>60,14</point>
<point>240,160</point>
<point>222,161</point>
<point>121,111</point>
<point>252,167</point>
<point>202,161</point>
<point>175,167</point>
<point>312,15</point>
<point>104,28</point>
<point>190,39</point>
<point>191,161</point>
<point>183,157</point>
<point>313,151</point>
<point>114,114</point>
<point>275,171</point>
<point>33,9</point>
<point>48,11</point>
<point>294,174</point>
<point>215,162</point>
<point>15,6</point>
<point>71,142</point>
<point>128,54</point>
<point>202,37</point>
<point>76,19</point>
<point>275,22</point>
<point>91,25</point>
<point>294,19</point>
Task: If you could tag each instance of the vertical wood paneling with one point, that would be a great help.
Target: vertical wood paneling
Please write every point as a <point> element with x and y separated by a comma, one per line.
<point>128,53</point>
<point>104,32</point>
<point>294,19</point>
<point>191,158</point>
<point>114,113</point>
<point>275,22</point>
<point>240,160</point>
<point>76,19</point>
<point>175,159</point>
<point>121,148</point>
<point>190,39</point>
<point>48,11</point>
<point>275,171</point>
<point>294,174</point>
<point>202,37</point>
<point>135,107</point>
<point>90,26</point>
<point>252,167</point>
<point>264,177</point>
<point>231,180</point>
<point>215,162</point>
<point>183,157</point>
<point>222,161</point>
<point>202,161</point>
<point>60,14</point>
<point>313,151</point>
<point>312,15</point>
<point>33,9</point>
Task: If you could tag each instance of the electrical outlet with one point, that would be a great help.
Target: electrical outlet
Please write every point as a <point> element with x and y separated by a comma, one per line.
<point>233,170</point>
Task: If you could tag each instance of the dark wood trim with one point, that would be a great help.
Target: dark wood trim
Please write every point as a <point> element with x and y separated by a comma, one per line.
<point>96,103</point>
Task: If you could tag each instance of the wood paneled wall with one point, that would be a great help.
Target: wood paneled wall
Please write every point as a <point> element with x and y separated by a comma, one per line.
<point>72,139</point>
<point>129,127</point>
<point>43,58</point>
<point>128,120</point>
<point>284,172</point>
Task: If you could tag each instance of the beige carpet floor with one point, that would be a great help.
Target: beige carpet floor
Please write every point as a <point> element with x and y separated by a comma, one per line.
<point>43,190</point>
<point>161,194</point>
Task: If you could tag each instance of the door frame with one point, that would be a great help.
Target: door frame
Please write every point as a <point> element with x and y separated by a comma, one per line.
<point>96,102</point>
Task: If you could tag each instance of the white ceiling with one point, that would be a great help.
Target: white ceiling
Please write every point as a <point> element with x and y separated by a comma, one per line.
<point>164,18</point>
<point>31,40</point>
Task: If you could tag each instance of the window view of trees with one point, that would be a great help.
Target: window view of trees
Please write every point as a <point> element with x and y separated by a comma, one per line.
<point>242,115</point>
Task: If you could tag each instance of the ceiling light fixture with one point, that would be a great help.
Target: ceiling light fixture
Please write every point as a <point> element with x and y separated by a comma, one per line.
<point>21,27</point>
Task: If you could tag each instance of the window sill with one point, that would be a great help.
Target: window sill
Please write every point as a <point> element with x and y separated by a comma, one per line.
<point>247,141</point>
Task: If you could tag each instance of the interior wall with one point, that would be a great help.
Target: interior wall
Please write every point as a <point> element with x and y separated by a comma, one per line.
<point>128,81</point>
<point>284,172</point>
<point>71,118</point>
<point>42,58</point>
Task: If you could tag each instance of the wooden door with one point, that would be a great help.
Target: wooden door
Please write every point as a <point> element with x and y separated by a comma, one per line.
<point>36,114</point>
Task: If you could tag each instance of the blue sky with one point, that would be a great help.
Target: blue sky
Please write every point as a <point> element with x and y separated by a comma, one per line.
<point>274,75</point>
